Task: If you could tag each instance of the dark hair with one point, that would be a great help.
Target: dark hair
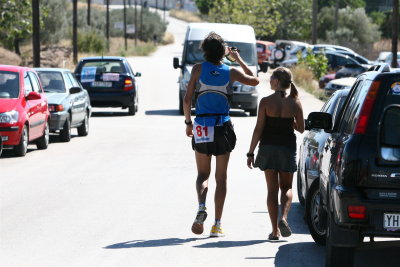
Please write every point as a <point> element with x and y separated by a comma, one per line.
<point>213,47</point>
<point>284,76</point>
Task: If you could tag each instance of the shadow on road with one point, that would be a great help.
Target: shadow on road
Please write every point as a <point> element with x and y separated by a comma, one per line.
<point>152,243</point>
<point>163,112</point>
<point>230,244</point>
<point>307,254</point>
<point>110,114</point>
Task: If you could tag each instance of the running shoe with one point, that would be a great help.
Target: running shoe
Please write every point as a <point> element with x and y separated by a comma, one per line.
<point>197,227</point>
<point>216,231</point>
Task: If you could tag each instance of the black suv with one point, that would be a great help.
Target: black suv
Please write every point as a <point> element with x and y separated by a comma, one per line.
<point>360,165</point>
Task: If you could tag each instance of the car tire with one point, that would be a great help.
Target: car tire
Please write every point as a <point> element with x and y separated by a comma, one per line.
<point>336,256</point>
<point>65,132</point>
<point>300,188</point>
<point>21,149</point>
<point>132,110</point>
<point>315,214</point>
<point>83,130</point>
<point>43,141</point>
<point>180,105</point>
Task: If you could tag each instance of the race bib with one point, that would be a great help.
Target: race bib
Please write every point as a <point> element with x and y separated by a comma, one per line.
<point>203,134</point>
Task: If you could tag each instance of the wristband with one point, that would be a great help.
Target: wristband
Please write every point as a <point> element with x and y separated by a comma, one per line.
<point>188,122</point>
<point>250,155</point>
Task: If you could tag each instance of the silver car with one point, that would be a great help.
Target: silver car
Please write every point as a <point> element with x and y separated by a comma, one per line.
<point>69,102</point>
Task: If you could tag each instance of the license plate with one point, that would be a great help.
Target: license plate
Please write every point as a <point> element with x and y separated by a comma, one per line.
<point>391,221</point>
<point>101,84</point>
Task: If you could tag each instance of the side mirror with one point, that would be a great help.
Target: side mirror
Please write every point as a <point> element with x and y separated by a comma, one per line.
<point>319,120</point>
<point>138,74</point>
<point>75,90</point>
<point>264,67</point>
<point>389,132</point>
<point>176,63</point>
<point>33,96</point>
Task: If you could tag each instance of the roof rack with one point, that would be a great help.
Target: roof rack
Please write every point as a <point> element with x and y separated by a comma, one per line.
<point>383,67</point>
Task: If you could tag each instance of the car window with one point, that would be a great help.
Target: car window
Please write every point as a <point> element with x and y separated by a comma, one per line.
<point>391,127</point>
<point>349,103</point>
<point>73,80</point>
<point>68,82</point>
<point>35,82</point>
<point>338,107</point>
<point>27,84</point>
<point>52,81</point>
<point>102,66</point>
<point>9,84</point>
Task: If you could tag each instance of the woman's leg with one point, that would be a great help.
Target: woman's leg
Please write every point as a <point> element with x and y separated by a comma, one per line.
<point>285,184</point>
<point>220,178</point>
<point>272,199</point>
<point>203,163</point>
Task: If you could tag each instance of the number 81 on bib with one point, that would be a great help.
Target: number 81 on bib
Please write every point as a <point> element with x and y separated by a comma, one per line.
<point>203,134</point>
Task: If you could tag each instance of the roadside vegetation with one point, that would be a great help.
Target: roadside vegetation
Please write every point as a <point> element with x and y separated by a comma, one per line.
<point>56,31</point>
<point>186,15</point>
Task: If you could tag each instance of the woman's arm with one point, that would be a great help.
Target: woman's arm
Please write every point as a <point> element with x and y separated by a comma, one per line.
<point>258,129</point>
<point>299,118</point>
<point>187,100</point>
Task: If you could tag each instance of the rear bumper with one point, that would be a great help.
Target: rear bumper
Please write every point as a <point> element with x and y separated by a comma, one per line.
<point>245,101</point>
<point>57,120</point>
<point>372,225</point>
<point>114,99</point>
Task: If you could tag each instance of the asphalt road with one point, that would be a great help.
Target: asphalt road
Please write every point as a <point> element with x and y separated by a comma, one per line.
<point>125,194</point>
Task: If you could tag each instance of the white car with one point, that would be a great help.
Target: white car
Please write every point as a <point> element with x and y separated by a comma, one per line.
<point>339,84</point>
<point>286,50</point>
<point>386,57</point>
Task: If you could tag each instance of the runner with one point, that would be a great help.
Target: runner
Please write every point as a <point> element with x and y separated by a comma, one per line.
<point>212,130</point>
<point>278,116</point>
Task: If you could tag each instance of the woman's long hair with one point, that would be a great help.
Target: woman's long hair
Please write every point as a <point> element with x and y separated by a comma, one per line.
<point>284,76</point>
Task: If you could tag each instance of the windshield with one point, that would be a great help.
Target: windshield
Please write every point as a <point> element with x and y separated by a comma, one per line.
<point>9,84</point>
<point>52,81</point>
<point>194,54</point>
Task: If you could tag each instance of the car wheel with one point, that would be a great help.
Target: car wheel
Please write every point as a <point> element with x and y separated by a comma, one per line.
<point>180,105</point>
<point>43,141</point>
<point>337,256</point>
<point>83,130</point>
<point>65,133</point>
<point>21,149</point>
<point>315,214</point>
<point>300,188</point>
<point>132,110</point>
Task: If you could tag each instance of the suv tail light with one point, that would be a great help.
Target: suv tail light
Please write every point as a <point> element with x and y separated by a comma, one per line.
<point>128,84</point>
<point>357,212</point>
<point>362,123</point>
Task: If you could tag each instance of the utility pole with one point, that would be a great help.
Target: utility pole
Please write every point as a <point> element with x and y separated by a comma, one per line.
<point>126,41</point>
<point>88,11</point>
<point>108,24</point>
<point>141,20</point>
<point>136,24</point>
<point>336,16</point>
<point>36,33</point>
<point>395,32</point>
<point>164,10</point>
<point>314,21</point>
<point>156,5</point>
<point>75,30</point>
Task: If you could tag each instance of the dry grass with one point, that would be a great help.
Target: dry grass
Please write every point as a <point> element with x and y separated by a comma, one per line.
<point>9,58</point>
<point>185,15</point>
<point>304,78</point>
<point>168,38</point>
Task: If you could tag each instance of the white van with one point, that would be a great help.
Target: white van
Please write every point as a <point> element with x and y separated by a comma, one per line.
<point>241,36</point>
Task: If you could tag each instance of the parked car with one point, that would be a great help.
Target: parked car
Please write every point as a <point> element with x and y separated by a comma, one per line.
<point>110,82</point>
<point>24,112</point>
<point>326,47</point>
<point>359,168</point>
<point>349,70</point>
<point>286,50</point>
<point>69,103</point>
<point>309,165</point>
<point>338,84</point>
<point>386,57</point>
<point>264,50</point>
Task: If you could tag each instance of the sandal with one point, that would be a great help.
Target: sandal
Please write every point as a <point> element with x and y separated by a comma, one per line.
<point>284,228</point>
<point>273,237</point>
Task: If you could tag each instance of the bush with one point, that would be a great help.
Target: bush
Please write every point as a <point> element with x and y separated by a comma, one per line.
<point>304,78</point>
<point>54,23</point>
<point>317,63</point>
<point>91,41</point>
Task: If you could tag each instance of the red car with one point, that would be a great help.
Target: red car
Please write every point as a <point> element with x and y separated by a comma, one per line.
<point>24,111</point>
<point>264,49</point>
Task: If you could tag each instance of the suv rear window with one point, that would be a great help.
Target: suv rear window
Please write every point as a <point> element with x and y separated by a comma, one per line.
<point>9,84</point>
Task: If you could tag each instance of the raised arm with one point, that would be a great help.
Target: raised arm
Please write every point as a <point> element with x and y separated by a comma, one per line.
<point>187,100</point>
<point>248,77</point>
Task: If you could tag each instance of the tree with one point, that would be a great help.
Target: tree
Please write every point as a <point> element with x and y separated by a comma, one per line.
<point>15,22</point>
<point>342,3</point>
<point>204,6</point>
<point>54,26</point>
<point>261,14</point>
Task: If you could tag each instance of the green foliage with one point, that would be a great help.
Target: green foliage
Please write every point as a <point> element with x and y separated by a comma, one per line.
<point>293,26</point>
<point>204,6</point>
<point>354,27</point>
<point>91,41</point>
<point>54,26</point>
<point>317,63</point>
<point>342,3</point>
<point>261,14</point>
<point>15,21</point>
